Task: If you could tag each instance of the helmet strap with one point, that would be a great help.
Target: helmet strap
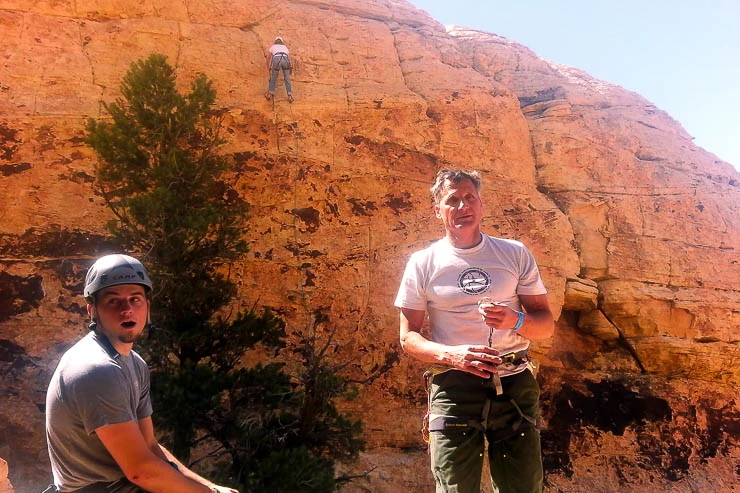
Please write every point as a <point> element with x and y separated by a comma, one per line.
<point>93,325</point>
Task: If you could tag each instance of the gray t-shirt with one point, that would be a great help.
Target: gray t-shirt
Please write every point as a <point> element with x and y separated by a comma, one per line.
<point>92,386</point>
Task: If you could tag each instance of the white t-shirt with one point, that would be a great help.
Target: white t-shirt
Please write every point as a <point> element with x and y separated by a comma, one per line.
<point>447,282</point>
<point>278,48</point>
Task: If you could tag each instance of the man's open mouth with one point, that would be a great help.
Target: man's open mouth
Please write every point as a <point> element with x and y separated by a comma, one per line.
<point>129,325</point>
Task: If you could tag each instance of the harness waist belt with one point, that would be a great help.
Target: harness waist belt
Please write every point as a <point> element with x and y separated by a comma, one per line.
<point>515,358</point>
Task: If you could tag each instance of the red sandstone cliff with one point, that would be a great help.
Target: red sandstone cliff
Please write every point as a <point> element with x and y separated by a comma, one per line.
<point>635,228</point>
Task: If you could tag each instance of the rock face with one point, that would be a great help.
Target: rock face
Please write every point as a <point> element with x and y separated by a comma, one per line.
<point>5,486</point>
<point>636,230</point>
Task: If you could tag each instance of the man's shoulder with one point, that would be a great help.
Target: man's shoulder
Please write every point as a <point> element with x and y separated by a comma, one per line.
<point>508,244</point>
<point>138,360</point>
<point>275,49</point>
<point>86,358</point>
<point>434,246</point>
<point>428,252</point>
<point>88,345</point>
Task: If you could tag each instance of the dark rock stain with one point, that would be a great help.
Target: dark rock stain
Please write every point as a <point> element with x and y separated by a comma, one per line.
<point>71,274</point>
<point>78,177</point>
<point>400,204</point>
<point>309,216</point>
<point>548,94</point>
<point>310,276</point>
<point>54,243</point>
<point>721,422</point>
<point>45,138</point>
<point>19,294</point>
<point>8,142</point>
<point>360,208</point>
<point>14,169</point>
<point>355,140</point>
<point>10,351</point>
<point>14,360</point>
<point>299,250</point>
<point>434,115</point>
<point>610,406</point>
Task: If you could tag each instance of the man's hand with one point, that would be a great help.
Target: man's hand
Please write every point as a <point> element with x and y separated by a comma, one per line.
<point>480,361</point>
<point>223,489</point>
<point>498,316</point>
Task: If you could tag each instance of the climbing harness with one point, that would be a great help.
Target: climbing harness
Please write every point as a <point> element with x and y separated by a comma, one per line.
<point>277,59</point>
<point>448,423</point>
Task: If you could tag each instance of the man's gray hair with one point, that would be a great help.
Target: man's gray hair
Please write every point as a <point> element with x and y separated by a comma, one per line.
<point>453,176</point>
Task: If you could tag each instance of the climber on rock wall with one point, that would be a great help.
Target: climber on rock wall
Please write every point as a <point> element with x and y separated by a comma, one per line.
<point>278,59</point>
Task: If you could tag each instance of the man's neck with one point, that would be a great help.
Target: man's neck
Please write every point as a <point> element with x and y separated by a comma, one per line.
<point>464,241</point>
<point>122,348</point>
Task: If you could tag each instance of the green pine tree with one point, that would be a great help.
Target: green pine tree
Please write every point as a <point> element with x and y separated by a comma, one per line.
<point>265,427</point>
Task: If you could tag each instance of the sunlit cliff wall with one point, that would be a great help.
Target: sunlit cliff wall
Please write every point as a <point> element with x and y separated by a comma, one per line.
<point>635,229</point>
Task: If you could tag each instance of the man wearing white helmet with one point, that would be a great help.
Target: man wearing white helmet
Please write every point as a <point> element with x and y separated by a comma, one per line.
<point>99,428</point>
<point>278,59</point>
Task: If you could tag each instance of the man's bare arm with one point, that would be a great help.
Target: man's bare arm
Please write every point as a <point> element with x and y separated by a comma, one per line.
<point>476,359</point>
<point>538,319</point>
<point>147,430</point>
<point>141,466</point>
<point>537,322</point>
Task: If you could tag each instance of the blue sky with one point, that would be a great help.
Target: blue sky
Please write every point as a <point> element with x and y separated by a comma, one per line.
<point>682,55</point>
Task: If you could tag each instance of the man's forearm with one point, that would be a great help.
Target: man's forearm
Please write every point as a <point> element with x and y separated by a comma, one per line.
<point>184,470</point>
<point>421,348</point>
<point>158,476</point>
<point>537,325</point>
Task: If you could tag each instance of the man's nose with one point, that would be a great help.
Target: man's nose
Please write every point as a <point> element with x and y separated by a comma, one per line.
<point>125,306</point>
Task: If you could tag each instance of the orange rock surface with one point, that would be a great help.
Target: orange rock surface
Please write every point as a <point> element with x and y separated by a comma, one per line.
<point>636,229</point>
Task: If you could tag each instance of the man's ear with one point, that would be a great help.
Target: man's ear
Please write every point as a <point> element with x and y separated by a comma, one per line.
<point>91,312</point>
<point>436,212</point>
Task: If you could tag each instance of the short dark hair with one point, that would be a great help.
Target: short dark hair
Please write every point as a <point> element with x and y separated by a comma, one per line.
<point>453,176</point>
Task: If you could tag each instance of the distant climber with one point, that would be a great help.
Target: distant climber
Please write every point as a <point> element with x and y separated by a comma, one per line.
<point>278,59</point>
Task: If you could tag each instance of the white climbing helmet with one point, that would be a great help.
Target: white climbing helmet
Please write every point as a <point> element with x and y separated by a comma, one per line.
<point>114,270</point>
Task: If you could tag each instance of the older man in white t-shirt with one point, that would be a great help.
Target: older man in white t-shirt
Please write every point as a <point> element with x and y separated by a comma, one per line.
<point>485,301</point>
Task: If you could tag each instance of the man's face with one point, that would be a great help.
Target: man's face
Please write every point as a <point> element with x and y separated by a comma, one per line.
<point>121,312</point>
<point>460,207</point>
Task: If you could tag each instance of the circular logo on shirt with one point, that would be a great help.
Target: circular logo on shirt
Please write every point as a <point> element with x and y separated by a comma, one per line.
<point>473,281</point>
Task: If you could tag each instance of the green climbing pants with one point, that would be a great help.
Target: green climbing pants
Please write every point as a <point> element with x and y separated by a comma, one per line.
<point>514,454</point>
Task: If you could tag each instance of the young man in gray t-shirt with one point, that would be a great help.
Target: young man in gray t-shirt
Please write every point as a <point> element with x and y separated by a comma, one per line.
<point>98,411</point>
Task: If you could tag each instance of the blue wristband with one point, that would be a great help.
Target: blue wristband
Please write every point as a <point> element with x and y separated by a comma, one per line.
<point>520,321</point>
